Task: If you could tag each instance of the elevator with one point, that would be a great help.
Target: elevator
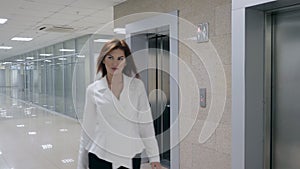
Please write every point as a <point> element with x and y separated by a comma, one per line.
<point>283,137</point>
<point>151,49</point>
<point>159,84</point>
<point>154,44</point>
<point>265,80</point>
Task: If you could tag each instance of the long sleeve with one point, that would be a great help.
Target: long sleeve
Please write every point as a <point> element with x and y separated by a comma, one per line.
<point>146,126</point>
<point>83,154</point>
<point>88,126</point>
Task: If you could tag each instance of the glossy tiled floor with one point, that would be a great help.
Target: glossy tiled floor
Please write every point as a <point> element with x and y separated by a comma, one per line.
<point>33,138</point>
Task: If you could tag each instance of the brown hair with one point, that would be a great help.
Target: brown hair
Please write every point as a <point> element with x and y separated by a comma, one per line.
<point>129,69</point>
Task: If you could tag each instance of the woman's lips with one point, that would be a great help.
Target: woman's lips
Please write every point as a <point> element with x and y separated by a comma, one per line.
<point>114,69</point>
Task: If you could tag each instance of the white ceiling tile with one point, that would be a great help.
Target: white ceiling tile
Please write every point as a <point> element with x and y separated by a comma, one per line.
<point>21,17</point>
<point>98,19</point>
<point>41,7</point>
<point>78,11</point>
<point>56,2</point>
<point>53,21</point>
<point>66,17</point>
<point>12,4</point>
<point>31,34</point>
<point>13,28</point>
<point>93,4</point>
<point>32,13</point>
<point>15,25</point>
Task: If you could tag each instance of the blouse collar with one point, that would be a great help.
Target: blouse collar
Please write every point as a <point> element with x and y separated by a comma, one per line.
<point>103,83</point>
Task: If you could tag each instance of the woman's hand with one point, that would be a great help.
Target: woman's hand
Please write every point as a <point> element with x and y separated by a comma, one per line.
<point>155,165</point>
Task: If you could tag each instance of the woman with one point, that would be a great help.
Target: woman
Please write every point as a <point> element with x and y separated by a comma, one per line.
<point>117,121</point>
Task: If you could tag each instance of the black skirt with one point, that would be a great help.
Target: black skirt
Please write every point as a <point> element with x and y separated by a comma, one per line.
<point>97,163</point>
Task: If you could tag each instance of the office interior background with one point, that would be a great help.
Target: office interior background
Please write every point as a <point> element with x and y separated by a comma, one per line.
<point>246,71</point>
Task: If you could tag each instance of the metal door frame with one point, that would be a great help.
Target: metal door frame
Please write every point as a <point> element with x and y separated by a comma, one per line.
<point>268,89</point>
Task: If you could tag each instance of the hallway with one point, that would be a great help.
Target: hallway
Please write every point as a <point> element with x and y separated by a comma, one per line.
<point>34,138</point>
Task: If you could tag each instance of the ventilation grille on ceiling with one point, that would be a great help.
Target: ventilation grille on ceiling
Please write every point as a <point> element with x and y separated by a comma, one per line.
<point>53,28</point>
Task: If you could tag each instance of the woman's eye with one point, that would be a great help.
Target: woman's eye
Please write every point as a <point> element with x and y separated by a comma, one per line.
<point>110,57</point>
<point>121,58</point>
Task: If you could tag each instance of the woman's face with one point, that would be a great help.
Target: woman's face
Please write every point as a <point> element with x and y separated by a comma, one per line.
<point>115,62</point>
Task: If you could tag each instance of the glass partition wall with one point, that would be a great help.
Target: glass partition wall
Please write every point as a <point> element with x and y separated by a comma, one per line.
<point>54,77</point>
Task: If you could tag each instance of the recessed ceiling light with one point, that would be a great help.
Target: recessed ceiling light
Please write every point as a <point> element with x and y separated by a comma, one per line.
<point>7,63</point>
<point>32,133</point>
<point>62,58</point>
<point>5,47</point>
<point>46,54</point>
<point>47,146</point>
<point>19,60</point>
<point>21,39</point>
<point>102,40</point>
<point>63,130</point>
<point>81,56</point>
<point>120,30</point>
<point>2,20</point>
<point>47,61</point>
<point>20,125</point>
<point>30,58</point>
<point>67,50</point>
<point>69,160</point>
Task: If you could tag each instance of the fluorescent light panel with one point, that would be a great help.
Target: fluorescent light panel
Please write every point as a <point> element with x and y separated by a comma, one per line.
<point>32,133</point>
<point>5,47</point>
<point>47,146</point>
<point>46,54</point>
<point>19,60</point>
<point>67,50</point>
<point>69,160</point>
<point>30,58</point>
<point>63,130</point>
<point>62,58</point>
<point>81,56</point>
<point>2,20</point>
<point>21,39</point>
<point>20,125</point>
<point>102,40</point>
<point>120,30</point>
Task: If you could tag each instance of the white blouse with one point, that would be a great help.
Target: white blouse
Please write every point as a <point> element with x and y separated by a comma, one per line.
<point>117,129</point>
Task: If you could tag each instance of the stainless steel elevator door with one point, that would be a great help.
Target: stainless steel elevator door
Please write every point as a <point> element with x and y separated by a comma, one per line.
<point>159,89</point>
<point>285,92</point>
<point>152,57</point>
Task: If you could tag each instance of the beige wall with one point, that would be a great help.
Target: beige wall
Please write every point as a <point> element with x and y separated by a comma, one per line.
<point>216,152</point>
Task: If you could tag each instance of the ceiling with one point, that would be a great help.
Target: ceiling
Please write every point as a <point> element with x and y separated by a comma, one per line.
<point>26,17</point>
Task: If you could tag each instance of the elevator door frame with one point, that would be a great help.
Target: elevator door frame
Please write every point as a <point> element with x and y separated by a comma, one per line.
<point>158,21</point>
<point>248,97</point>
